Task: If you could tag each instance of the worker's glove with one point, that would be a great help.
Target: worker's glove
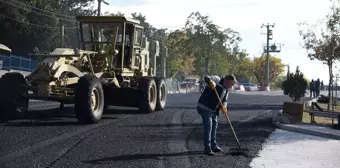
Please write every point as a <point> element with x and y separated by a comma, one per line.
<point>224,108</point>
<point>212,84</point>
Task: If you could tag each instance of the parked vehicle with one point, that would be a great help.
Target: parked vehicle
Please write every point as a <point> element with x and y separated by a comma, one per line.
<point>190,83</point>
<point>262,88</point>
<point>250,86</point>
<point>239,87</point>
<point>194,81</point>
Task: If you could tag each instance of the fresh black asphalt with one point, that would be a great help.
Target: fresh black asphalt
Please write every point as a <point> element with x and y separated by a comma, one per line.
<point>52,137</point>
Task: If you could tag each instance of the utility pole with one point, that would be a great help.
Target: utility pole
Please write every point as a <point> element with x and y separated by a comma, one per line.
<point>62,27</point>
<point>62,35</point>
<point>100,6</point>
<point>269,37</point>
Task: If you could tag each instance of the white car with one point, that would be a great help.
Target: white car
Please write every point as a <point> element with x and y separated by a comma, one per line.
<point>191,81</point>
<point>239,87</point>
<point>250,86</point>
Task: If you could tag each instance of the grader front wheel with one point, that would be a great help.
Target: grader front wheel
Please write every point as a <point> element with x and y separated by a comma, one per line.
<point>89,100</point>
<point>13,104</point>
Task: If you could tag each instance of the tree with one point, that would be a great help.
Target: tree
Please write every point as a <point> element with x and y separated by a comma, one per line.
<point>28,24</point>
<point>200,30</point>
<point>178,54</point>
<point>278,82</point>
<point>201,43</point>
<point>107,13</point>
<point>238,64</point>
<point>148,28</point>
<point>308,81</point>
<point>258,68</point>
<point>325,46</point>
<point>288,70</point>
<point>209,43</point>
<point>295,85</point>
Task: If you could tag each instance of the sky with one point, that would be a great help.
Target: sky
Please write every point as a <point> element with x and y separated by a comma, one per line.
<point>245,17</point>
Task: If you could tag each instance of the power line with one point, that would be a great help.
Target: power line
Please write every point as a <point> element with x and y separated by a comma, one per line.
<point>37,25</point>
<point>35,11</point>
<point>43,10</point>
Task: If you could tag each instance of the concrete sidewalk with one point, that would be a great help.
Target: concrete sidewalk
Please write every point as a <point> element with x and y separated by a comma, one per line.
<point>300,145</point>
<point>285,149</point>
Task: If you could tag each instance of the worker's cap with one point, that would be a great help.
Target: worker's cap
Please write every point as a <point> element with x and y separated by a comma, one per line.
<point>231,77</point>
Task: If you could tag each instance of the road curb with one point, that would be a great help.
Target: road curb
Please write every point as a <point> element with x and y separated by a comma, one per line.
<point>306,131</point>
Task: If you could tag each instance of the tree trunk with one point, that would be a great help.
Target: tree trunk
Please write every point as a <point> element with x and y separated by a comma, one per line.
<point>258,78</point>
<point>206,65</point>
<point>330,82</point>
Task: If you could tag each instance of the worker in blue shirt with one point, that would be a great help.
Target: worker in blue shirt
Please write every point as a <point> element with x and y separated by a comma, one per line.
<point>208,107</point>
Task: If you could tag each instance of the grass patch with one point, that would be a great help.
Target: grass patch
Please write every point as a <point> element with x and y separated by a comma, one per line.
<point>324,106</point>
<point>319,120</point>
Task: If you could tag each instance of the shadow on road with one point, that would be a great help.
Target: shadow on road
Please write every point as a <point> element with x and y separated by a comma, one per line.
<point>41,124</point>
<point>236,107</point>
<point>59,117</point>
<point>247,132</point>
<point>140,157</point>
<point>122,111</point>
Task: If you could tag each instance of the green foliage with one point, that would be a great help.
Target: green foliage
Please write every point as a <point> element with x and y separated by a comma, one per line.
<point>210,47</point>
<point>200,47</point>
<point>258,68</point>
<point>28,24</point>
<point>295,85</point>
<point>277,84</point>
<point>323,44</point>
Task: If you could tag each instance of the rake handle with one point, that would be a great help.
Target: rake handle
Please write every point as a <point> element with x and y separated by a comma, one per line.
<point>226,115</point>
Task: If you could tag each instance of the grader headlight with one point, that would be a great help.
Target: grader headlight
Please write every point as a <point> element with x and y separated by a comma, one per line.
<point>102,52</point>
<point>76,52</point>
<point>35,50</point>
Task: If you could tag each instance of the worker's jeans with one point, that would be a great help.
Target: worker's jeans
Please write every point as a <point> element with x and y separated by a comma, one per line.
<point>210,126</point>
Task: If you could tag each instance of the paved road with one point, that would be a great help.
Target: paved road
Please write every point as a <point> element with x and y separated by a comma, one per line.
<point>125,138</point>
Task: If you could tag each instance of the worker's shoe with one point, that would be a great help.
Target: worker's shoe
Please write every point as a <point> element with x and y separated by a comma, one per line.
<point>217,149</point>
<point>209,152</point>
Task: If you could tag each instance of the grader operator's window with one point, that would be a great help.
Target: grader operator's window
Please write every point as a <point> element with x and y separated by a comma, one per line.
<point>100,32</point>
<point>138,40</point>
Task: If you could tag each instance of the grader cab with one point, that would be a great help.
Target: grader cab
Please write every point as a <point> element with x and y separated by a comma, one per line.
<point>119,35</point>
<point>110,68</point>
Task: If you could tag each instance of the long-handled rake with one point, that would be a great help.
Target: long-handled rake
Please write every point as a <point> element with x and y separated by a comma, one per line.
<point>238,150</point>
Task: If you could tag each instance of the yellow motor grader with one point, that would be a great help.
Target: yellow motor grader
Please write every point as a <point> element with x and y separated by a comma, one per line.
<point>111,67</point>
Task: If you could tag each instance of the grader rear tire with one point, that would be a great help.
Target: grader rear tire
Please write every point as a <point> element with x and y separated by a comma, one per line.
<point>161,93</point>
<point>89,100</point>
<point>13,104</point>
<point>148,97</point>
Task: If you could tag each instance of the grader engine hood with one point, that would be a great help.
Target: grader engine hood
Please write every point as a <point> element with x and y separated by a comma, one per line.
<point>52,65</point>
